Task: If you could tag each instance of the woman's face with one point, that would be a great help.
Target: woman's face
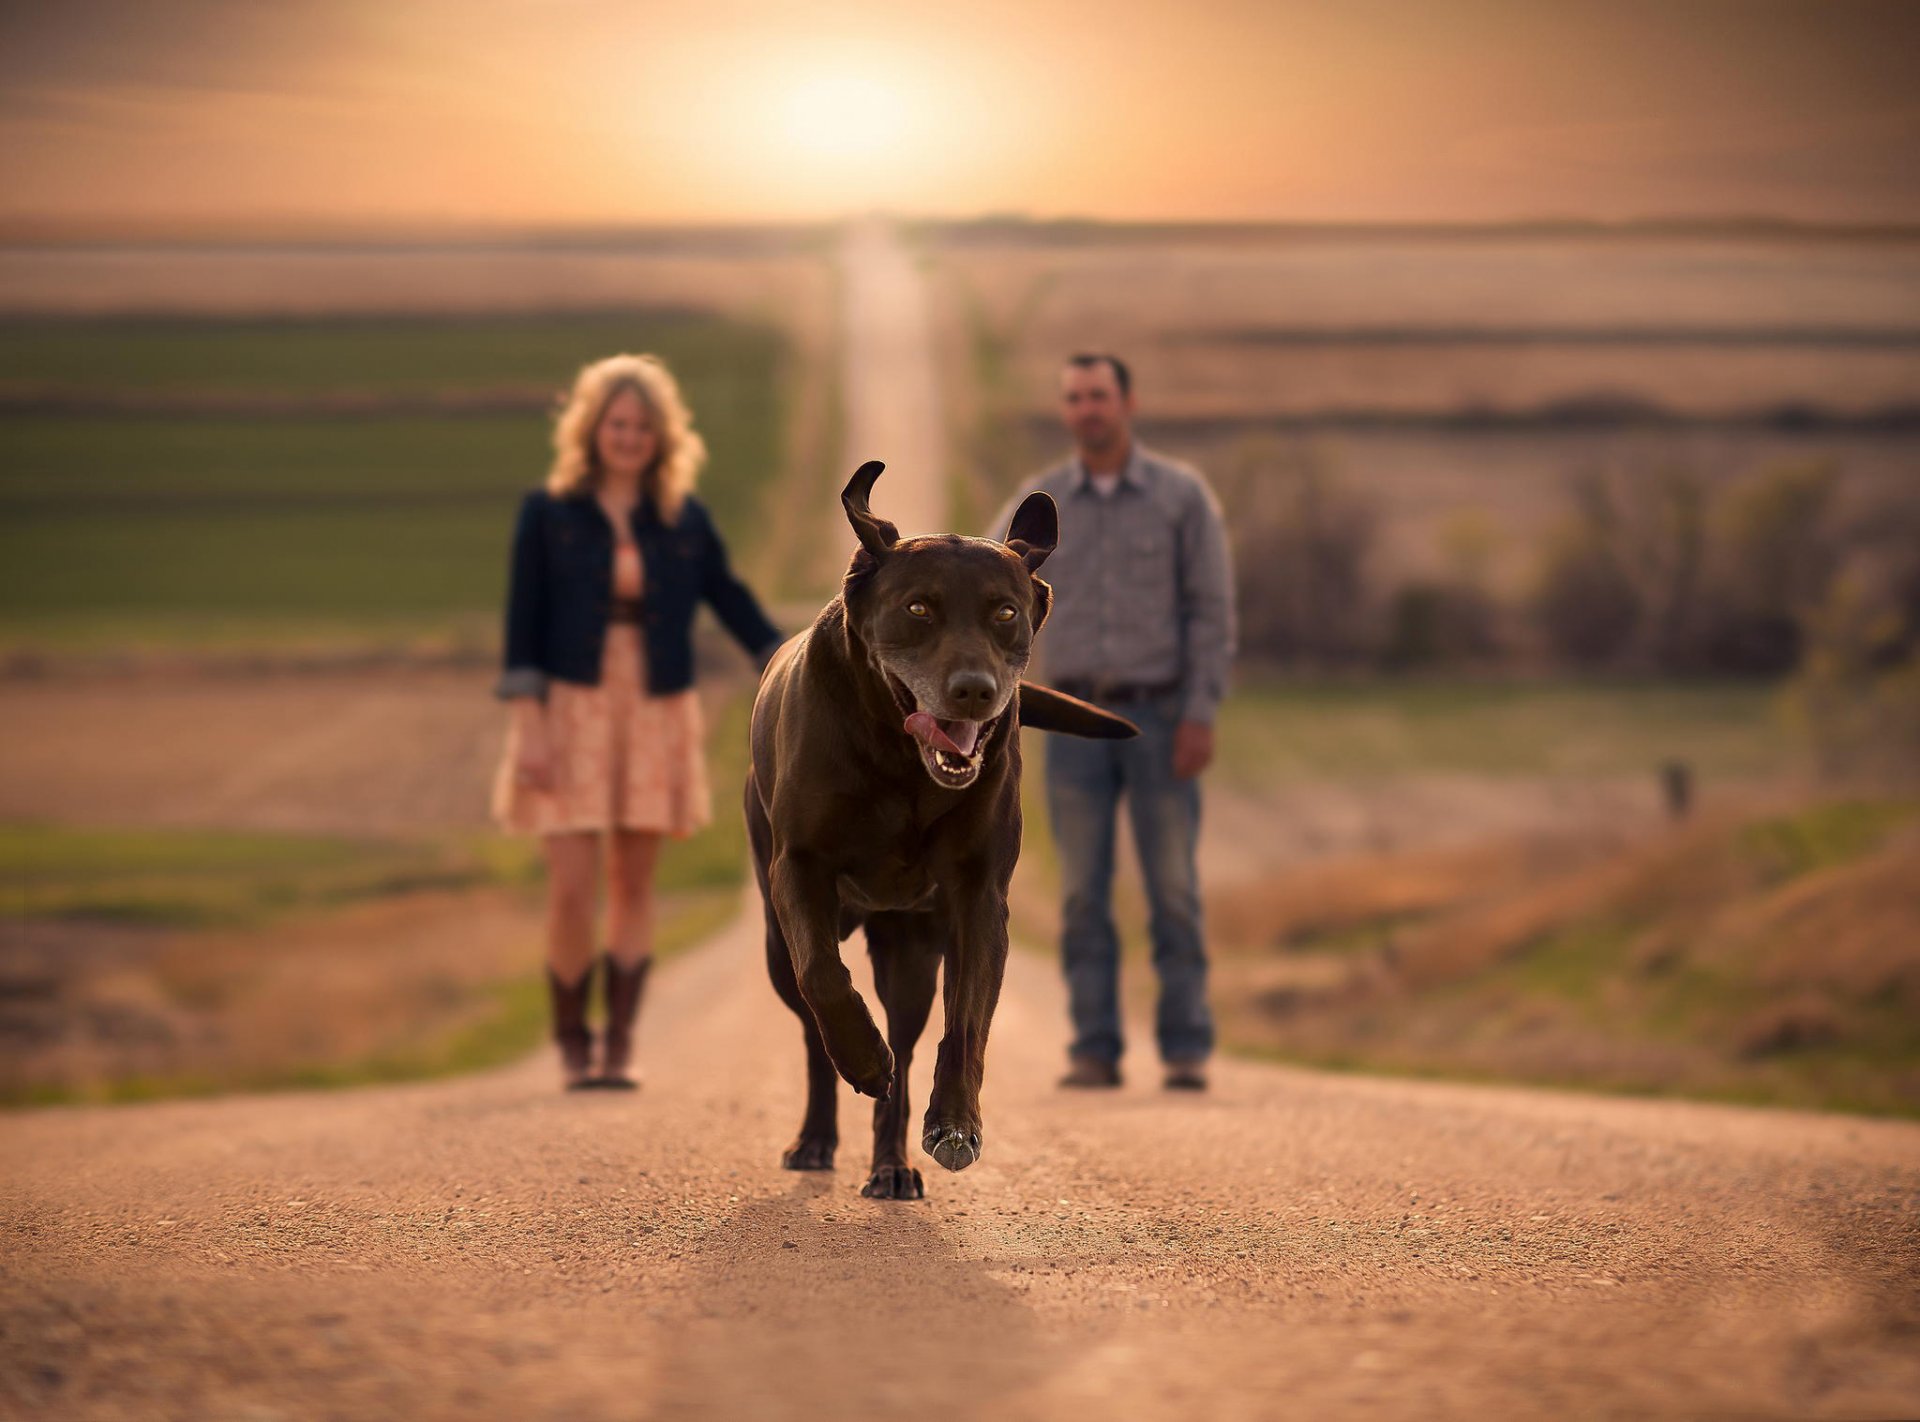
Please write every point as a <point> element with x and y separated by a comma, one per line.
<point>624,441</point>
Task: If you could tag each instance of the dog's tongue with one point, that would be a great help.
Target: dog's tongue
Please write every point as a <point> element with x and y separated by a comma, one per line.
<point>955,736</point>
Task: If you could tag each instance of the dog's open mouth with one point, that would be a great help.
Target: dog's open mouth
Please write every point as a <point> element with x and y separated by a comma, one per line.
<point>952,751</point>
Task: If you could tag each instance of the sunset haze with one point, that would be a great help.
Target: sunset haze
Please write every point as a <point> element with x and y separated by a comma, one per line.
<point>204,113</point>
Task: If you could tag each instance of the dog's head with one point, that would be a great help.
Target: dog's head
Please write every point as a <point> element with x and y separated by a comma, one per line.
<point>949,623</point>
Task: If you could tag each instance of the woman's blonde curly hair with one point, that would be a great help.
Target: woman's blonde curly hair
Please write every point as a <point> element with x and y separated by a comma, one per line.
<point>682,453</point>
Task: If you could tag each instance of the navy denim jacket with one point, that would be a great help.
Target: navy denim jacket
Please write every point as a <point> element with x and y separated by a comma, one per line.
<point>561,592</point>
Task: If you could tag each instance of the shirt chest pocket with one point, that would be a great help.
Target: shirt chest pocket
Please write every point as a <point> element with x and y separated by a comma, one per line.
<point>1150,552</point>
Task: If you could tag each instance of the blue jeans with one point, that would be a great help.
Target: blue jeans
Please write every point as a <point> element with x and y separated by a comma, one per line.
<point>1086,780</point>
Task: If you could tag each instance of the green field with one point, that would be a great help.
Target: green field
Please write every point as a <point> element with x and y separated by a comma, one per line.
<point>185,526</point>
<point>382,353</point>
<point>205,878</point>
<point>1274,731</point>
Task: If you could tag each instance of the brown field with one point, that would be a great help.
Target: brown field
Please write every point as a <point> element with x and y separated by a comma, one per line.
<point>1445,376</point>
<point>393,751</point>
<point>1191,318</point>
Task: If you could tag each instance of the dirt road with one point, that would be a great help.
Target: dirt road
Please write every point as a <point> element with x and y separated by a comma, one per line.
<point>1294,1242</point>
<point>892,390</point>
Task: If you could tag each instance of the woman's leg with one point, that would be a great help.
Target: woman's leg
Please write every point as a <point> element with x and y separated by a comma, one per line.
<point>630,894</point>
<point>572,870</point>
<point>630,951</point>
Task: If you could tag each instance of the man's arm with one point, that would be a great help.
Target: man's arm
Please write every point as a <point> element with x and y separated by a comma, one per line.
<point>1206,607</point>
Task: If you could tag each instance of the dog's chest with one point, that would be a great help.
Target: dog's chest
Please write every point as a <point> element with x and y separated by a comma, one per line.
<point>888,886</point>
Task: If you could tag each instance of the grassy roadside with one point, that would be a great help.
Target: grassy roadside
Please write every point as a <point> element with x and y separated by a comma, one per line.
<point>227,878</point>
<point>490,1025</point>
<point>1764,958</point>
<point>149,964</point>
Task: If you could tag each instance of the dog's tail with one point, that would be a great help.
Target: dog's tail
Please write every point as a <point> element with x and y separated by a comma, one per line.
<point>1045,709</point>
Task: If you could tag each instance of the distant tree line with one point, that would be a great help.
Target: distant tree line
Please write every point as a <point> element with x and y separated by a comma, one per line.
<point>1649,571</point>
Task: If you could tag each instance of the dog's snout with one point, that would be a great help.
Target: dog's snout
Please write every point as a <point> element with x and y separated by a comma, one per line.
<point>971,693</point>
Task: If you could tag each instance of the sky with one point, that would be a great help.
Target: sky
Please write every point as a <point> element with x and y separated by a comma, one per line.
<point>329,113</point>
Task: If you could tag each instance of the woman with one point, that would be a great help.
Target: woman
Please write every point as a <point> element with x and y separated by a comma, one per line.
<point>610,560</point>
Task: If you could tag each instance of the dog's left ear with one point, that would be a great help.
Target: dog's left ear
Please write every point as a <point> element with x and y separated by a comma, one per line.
<point>876,535</point>
<point>1035,530</point>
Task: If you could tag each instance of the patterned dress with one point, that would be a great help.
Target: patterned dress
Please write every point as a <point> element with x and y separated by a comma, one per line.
<point>621,758</point>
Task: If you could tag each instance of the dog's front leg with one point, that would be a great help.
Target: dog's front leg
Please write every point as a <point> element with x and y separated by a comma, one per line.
<point>976,962</point>
<point>809,910</point>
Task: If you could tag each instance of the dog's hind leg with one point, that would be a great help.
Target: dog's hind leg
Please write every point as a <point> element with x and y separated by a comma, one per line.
<point>906,971</point>
<point>819,1134</point>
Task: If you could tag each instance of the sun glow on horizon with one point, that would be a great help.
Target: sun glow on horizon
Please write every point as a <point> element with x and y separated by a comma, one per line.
<point>831,127</point>
<point>846,116</point>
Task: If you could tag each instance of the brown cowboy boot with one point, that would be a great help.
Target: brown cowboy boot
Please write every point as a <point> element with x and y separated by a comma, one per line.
<point>570,1027</point>
<point>625,988</point>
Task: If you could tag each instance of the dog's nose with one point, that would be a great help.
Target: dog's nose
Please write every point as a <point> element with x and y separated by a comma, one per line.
<point>970,693</point>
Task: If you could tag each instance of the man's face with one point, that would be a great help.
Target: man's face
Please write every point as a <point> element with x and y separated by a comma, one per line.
<point>1097,414</point>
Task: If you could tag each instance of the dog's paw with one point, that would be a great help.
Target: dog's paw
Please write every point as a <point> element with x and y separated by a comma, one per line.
<point>894,1182</point>
<point>951,1146</point>
<point>807,1154</point>
<point>870,1072</point>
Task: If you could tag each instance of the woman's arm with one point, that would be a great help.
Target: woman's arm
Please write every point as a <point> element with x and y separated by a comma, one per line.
<point>738,609</point>
<point>523,661</point>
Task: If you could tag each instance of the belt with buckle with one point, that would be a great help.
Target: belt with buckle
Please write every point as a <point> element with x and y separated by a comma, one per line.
<point>1116,693</point>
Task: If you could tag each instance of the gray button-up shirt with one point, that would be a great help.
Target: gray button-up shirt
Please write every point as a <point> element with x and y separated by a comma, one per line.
<point>1142,583</point>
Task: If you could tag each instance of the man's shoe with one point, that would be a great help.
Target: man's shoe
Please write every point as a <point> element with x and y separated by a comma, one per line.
<point>1091,1072</point>
<point>1187,1076</point>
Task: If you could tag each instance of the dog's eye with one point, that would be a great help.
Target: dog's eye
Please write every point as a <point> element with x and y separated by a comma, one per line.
<point>1005,613</point>
<point>918,609</point>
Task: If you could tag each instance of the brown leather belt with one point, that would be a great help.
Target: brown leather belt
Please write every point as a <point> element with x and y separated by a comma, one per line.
<point>626,609</point>
<point>1115,693</point>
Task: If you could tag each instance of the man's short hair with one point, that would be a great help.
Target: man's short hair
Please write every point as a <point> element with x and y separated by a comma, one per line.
<point>1088,360</point>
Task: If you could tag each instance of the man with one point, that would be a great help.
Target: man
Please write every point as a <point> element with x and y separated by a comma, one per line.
<point>1142,624</point>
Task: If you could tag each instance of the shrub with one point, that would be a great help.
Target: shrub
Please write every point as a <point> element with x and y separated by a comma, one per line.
<point>1857,692</point>
<point>1439,622</point>
<point>1586,606</point>
<point>1301,544</point>
<point>1649,569</point>
<point>1775,552</point>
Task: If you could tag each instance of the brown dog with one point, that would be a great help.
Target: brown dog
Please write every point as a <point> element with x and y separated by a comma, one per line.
<point>885,792</point>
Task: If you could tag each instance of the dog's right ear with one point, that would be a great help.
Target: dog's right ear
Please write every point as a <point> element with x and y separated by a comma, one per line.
<point>876,535</point>
<point>1035,530</point>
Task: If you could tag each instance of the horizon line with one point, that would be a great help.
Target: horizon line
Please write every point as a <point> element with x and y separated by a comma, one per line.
<point>19,232</point>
